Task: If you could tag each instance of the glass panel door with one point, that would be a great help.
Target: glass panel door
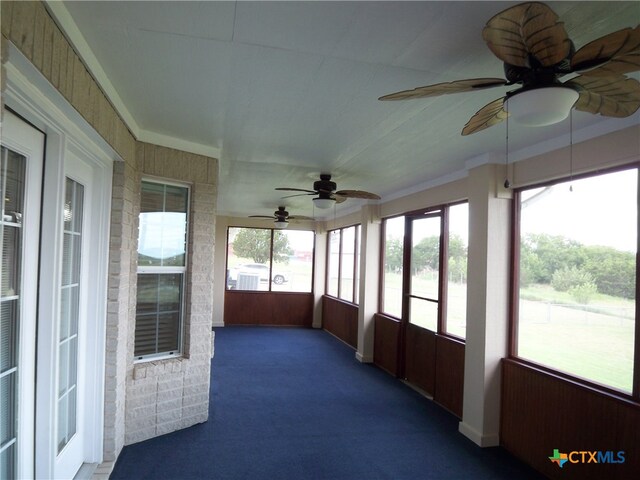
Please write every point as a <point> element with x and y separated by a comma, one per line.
<point>424,285</point>
<point>69,314</point>
<point>12,191</point>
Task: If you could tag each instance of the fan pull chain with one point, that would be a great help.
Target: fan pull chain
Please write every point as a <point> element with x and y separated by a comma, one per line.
<point>507,183</point>
<point>571,150</point>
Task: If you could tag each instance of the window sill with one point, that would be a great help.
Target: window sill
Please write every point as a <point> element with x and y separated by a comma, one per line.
<point>342,300</point>
<point>157,367</point>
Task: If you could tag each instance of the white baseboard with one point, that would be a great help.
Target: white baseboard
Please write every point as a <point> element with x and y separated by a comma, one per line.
<point>492,440</point>
<point>364,359</point>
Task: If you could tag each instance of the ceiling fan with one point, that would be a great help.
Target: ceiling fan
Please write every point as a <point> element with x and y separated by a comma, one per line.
<point>281,217</point>
<point>327,194</point>
<point>537,52</point>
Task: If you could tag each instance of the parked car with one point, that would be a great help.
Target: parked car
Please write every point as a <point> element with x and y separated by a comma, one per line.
<point>260,269</point>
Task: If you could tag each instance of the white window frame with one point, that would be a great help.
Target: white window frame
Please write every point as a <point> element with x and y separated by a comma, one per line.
<point>169,270</point>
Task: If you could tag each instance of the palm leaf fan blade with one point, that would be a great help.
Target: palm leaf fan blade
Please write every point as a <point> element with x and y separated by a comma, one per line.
<point>287,189</point>
<point>444,88</point>
<point>299,195</point>
<point>614,96</point>
<point>357,194</point>
<point>489,115</point>
<point>527,30</point>
<point>614,54</point>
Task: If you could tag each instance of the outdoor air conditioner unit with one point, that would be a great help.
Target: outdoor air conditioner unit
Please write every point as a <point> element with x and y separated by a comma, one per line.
<point>248,281</point>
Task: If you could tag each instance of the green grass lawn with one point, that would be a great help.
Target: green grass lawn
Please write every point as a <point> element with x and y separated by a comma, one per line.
<point>593,341</point>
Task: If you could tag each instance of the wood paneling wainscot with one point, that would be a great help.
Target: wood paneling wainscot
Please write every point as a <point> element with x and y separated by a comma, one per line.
<point>341,319</point>
<point>268,308</point>
<point>420,358</point>
<point>542,412</point>
<point>449,383</point>
<point>386,343</point>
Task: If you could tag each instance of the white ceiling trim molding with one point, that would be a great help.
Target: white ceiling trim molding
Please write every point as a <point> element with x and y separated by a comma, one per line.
<point>423,187</point>
<point>178,143</point>
<point>68,26</point>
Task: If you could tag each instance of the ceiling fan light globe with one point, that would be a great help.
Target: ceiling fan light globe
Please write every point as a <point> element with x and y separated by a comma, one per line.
<point>281,224</point>
<point>541,106</point>
<point>324,203</point>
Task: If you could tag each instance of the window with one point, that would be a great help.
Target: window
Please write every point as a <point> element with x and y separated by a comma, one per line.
<point>333,263</point>
<point>457,247</point>
<point>424,284</point>
<point>436,290</point>
<point>576,246</point>
<point>69,312</point>
<point>343,263</point>
<point>162,242</point>
<point>265,259</point>
<point>391,297</point>
<point>12,201</point>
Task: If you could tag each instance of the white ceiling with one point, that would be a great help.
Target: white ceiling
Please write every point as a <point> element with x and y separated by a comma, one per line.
<point>281,91</point>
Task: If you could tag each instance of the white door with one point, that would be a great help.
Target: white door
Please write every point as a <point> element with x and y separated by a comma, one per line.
<point>21,164</point>
<point>71,344</point>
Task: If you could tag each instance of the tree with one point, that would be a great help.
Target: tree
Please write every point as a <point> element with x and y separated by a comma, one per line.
<point>584,292</point>
<point>457,248</point>
<point>393,254</point>
<point>255,243</point>
<point>614,271</point>
<point>542,254</point>
<point>568,277</point>
<point>281,249</point>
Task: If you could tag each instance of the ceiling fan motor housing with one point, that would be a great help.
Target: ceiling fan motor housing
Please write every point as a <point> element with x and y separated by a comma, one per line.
<point>281,212</point>
<point>324,185</point>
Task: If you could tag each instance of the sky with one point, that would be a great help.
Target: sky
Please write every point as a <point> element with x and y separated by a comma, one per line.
<point>598,210</point>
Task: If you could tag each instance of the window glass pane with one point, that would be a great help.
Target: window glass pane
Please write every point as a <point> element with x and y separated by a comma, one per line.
<point>333,263</point>
<point>8,334</point>
<point>248,258</point>
<point>292,261</point>
<point>348,261</point>
<point>356,293</point>
<point>578,277</point>
<point>12,185</point>
<point>423,313</point>
<point>456,321</point>
<point>11,255</point>
<point>12,169</point>
<point>12,193</point>
<point>425,257</point>
<point>158,313</point>
<point>393,254</point>
<point>162,234</point>
<point>69,311</point>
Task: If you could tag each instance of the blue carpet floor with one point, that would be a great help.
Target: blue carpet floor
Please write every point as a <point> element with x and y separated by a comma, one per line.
<point>289,403</point>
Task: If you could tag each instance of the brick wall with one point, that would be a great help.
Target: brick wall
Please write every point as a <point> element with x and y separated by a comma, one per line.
<point>166,395</point>
<point>31,29</point>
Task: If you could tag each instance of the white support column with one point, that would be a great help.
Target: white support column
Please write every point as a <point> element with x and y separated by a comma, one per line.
<point>320,269</point>
<point>369,278</point>
<point>219,271</point>
<point>487,306</point>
